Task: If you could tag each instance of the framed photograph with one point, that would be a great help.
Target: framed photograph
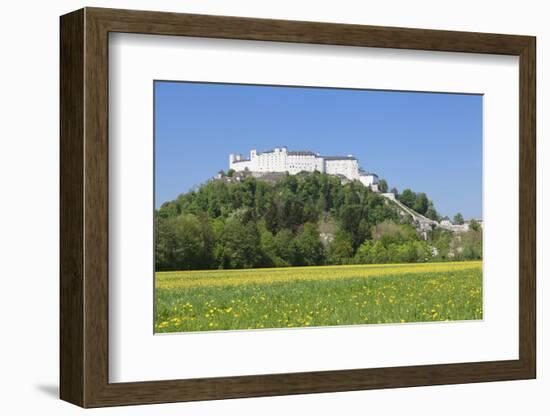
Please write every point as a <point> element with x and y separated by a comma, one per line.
<point>254,207</point>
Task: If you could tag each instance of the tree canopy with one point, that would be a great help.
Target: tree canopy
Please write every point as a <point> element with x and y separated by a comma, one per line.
<point>294,220</point>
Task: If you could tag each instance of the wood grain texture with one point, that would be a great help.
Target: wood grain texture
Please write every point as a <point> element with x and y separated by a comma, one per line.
<point>527,208</point>
<point>162,23</point>
<point>71,100</point>
<point>84,207</point>
<point>96,208</point>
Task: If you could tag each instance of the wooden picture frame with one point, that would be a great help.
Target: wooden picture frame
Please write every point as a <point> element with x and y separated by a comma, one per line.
<point>84,207</point>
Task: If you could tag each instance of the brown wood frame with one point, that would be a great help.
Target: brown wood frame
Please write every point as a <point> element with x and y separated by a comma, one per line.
<point>84,208</point>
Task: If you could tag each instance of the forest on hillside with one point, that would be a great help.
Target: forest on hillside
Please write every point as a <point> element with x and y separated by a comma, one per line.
<point>298,220</point>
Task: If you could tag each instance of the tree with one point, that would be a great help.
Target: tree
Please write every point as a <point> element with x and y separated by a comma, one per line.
<point>165,243</point>
<point>362,256</point>
<point>412,252</point>
<point>290,212</point>
<point>472,245</point>
<point>230,173</point>
<point>239,246</point>
<point>441,240</point>
<point>285,247</point>
<point>351,194</point>
<point>407,197</point>
<point>350,218</point>
<point>378,253</point>
<point>474,225</point>
<point>271,217</point>
<point>431,213</point>
<point>291,182</point>
<point>185,242</point>
<point>389,232</point>
<point>383,185</point>
<point>309,246</point>
<point>168,210</point>
<point>458,219</point>
<point>311,212</point>
<point>341,248</point>
<point>421,203</point>
<point>269,249</point>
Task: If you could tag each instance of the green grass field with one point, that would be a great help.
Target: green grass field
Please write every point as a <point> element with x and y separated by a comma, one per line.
<point>317,296</point>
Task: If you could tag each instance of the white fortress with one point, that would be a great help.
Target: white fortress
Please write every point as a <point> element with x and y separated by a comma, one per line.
<point>282,160</point>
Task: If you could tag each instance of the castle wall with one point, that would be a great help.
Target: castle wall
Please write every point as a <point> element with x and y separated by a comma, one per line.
<point>272,161</point>
<point>345,167</point>
<point>301,163</point>
<point>369,179</point>
<point>239,164</point>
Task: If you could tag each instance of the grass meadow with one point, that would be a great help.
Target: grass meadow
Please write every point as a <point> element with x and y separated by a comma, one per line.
<point>208,300</point>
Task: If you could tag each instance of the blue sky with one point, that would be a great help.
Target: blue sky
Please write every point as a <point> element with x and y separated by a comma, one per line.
<point>429,142</point>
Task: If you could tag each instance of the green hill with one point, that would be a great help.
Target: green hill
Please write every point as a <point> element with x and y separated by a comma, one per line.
<point>292,220</point>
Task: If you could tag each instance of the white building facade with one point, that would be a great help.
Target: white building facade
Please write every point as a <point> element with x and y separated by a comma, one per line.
<point>280,159</point>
